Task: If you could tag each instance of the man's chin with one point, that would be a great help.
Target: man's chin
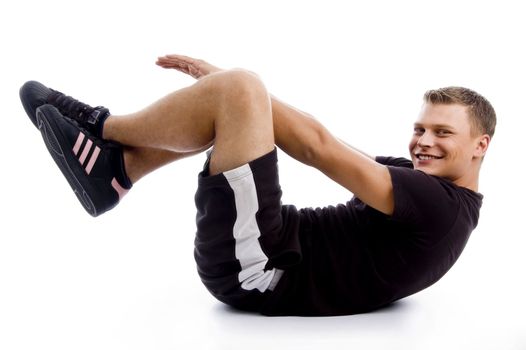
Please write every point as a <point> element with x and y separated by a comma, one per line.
<point>428,170</point>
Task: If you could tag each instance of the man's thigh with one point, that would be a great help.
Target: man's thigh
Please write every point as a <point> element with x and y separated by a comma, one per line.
<point>244,130</point>
<point>239,222</point>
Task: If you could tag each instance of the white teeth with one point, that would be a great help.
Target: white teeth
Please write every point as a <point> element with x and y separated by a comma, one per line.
<point>425,157</point>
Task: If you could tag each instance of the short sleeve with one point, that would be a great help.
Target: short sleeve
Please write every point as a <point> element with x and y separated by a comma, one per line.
<point>425,202</point>
<point>395,161</point>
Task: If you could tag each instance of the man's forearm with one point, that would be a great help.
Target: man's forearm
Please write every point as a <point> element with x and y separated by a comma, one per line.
<point>296,132</point>
<point>305,139</point>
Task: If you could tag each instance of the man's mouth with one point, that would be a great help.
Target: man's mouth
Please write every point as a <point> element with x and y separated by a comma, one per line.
<point>420,156</point>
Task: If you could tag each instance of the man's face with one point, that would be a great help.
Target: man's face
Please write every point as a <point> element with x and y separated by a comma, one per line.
<point>443,144</point>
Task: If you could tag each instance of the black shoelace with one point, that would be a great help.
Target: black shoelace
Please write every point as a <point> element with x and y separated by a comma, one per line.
<point>70,107</point>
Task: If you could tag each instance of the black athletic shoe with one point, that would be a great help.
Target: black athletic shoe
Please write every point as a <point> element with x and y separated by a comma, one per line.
<point>33,95</point>
<point>93,167</point>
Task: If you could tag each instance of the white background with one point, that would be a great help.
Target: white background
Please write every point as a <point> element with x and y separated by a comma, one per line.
<point>127,279</point>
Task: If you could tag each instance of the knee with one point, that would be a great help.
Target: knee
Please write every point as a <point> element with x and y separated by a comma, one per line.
<point>241,78</point>
<point>240,86</point>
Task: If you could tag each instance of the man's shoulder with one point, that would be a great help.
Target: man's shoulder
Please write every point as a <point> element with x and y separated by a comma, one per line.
<point>395,161</point>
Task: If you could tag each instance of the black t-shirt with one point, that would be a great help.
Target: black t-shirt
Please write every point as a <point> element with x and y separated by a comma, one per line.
<point>355,259</point>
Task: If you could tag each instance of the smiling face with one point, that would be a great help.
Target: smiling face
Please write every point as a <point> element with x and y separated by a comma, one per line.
<point>444,144</point>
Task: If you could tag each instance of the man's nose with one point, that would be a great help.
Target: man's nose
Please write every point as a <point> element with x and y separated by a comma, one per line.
<point>426,140</point>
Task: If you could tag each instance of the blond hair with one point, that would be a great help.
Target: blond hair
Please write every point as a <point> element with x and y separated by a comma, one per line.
<point>481,112</point>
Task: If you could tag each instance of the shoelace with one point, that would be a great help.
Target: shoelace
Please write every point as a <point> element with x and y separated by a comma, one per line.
<point>70,107</point>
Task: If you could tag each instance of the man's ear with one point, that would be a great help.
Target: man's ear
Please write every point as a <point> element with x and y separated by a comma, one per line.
<point>482,146</point>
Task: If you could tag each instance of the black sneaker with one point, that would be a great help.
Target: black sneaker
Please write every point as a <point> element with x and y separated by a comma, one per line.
<point>33,95</point>
<point>93,167</point>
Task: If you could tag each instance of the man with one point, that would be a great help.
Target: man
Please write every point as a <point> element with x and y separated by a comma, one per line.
<point>405,227</point>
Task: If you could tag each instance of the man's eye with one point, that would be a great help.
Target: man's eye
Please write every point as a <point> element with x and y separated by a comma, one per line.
<point>419,131</point>
<point>443,132</point>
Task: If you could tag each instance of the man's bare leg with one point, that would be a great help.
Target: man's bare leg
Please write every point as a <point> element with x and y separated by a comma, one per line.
<point>141,161</point>
<point>229,109</point>
<point>295,132</point>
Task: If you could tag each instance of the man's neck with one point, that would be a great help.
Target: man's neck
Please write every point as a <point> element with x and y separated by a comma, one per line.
<point>470,181</point>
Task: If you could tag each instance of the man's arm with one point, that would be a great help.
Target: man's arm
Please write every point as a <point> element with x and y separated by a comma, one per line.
<point>305,139</point>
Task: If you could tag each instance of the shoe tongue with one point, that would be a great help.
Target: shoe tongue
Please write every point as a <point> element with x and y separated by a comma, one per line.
<point>97,118</point>
<point>93,118</point>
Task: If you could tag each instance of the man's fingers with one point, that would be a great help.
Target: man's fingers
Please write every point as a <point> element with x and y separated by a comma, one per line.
<point>188,65</point>
<point>175,61</point>
<point>170,63</point>
<point>181,58</point>
<point>184,68</point>
<point>168,60</point>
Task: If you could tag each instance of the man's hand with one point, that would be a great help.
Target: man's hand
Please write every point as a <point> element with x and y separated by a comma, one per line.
<point>188,65</point>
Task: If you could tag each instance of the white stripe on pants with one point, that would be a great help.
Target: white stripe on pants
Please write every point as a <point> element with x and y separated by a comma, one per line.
<point>246,233</point>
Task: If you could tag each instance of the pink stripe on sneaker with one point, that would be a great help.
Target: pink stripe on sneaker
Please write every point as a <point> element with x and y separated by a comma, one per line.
<point>117,187</point>
<point>93,159</point>
<point>85,152</point>
<point>78,143</point>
